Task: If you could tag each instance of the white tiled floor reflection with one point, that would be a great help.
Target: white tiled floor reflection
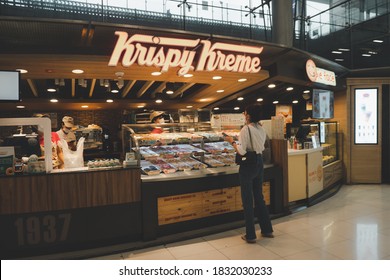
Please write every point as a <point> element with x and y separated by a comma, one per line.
<point>354,225</point>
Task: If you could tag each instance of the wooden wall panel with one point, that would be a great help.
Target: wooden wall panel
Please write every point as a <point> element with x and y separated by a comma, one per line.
<point>68,191</point>
<point>37,193</point>
<point>280,158</point>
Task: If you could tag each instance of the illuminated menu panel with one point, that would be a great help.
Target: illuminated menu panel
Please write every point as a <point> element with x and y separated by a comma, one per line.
<point>366,116</point>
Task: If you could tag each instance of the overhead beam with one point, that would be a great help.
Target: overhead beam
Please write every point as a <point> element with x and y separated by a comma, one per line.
<point>92,87</point>
<point>33,87</point>
<point>73,87</point>
<point>144,88</point>
<point>183,88</point>
<point>127,88</point>
<point>161,87</point>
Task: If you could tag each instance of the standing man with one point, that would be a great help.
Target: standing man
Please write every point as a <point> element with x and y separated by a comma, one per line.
<point>66,133</point>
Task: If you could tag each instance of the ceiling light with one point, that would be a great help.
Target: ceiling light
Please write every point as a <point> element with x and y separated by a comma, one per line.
<point>84,106</point>
<point>109,100</point>
<point>188,75</point>
<point>217,77</point>
<point>77,71</point>
<point>114,91</point>
<point>220,90</point>
<point>295,101</point>
<point>378,41</point>
<point>169,88</point>
<point>140,106</point>
<point>236,108</point>
<point>216,109</point>
<point>337,52</point>
<point>242,80</point>
<point>339,59</point>
<point>20,107</point>
<point>158,101</point>
<point>51,90</point>
<point>204,100</point>
<point>344,50</point>
<point>156,73</point>
<point>240,98</point>
<point>275,102</point>
<point>371,52</point>
<point>22,71</point>
<point>271,86</point>
<point>306,91</point>
<point>259,99</point>
<point>366,54</point>
<point>289,88</point>
<point>54,100</point>
<point>189,106</point>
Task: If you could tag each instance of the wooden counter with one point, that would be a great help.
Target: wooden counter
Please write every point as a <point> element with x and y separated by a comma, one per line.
<point>47,213</point>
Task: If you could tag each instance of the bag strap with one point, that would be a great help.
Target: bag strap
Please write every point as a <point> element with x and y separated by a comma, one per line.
<point>250,137</point>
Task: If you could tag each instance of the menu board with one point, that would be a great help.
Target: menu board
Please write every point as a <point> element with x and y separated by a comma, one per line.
<point>366,116</point>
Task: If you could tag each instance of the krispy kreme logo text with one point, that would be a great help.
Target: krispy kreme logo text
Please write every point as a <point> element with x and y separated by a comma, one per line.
<point>168,52</point>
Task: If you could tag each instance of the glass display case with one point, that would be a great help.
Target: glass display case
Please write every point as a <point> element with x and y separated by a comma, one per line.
<point>327,134</point>
<point>181,147</point>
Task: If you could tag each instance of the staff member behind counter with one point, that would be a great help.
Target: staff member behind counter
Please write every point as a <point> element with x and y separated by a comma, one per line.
<point>56,150</point>
<point>66,132</point>
<point>157,117</point>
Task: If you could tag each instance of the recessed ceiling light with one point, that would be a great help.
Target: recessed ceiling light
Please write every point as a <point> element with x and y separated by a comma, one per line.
<point>240,98</point>
<point>366,54</point>
<point>275,102</point>
<point>378,41</point>
<point>22,71</point>
<point>204,100</point>
<point>188,75</point>
<point>156,73</point>
<point>295,101</point>
<point>259,99</point>
<point>271,85</point>
<point>109,100</point>
<point>306,91</point>
<point>220,90</point>
<point>51,90</point>
<point>169,91</point>
<point>77,71</point>
<point>337,52</point>
<point>372,52</point>
<point>114,91</point>
<point>217,77</point>
<point>158,101</point>
<point>216,108</point>
<point>344,50</point>
<point>84,106</point>
<point>242,80</point>
<point>54,100</point>
<point>140,106</point>
<point>20,107</point>
<point>189,106</point>
<point>339,59</point>
<point>289,88</point>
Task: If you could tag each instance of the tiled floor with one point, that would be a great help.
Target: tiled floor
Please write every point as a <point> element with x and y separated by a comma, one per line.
<point>354,224</point>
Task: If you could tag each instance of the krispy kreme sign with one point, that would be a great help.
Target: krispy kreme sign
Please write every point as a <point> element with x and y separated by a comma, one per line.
<point>187,54</point>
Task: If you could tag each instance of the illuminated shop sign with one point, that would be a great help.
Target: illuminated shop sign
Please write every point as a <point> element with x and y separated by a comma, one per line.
<point>319,75</point>
<point>165,52</point>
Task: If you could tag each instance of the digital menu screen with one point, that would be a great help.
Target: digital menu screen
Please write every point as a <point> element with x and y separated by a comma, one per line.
<point>366,116</point>
<point>323,104</point>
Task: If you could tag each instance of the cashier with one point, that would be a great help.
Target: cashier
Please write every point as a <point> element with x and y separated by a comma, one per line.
<point>66,132</point>
<point>157,117</point>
